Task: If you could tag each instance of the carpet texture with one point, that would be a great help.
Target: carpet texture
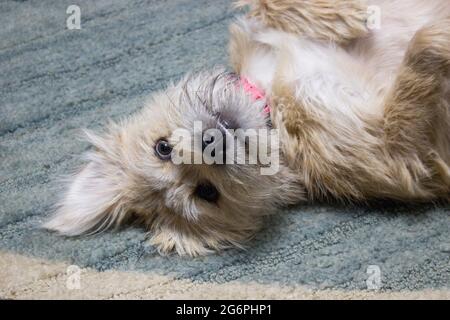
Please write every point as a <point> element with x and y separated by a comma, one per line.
<point>55,81</point>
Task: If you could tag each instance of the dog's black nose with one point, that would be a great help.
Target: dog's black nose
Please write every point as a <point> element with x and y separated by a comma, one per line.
<point>207,140</point>
<point>218,146</point>
<point>226,123</point>
<point>218,142</point>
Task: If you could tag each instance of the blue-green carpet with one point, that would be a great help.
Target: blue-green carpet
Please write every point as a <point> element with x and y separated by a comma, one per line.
<point>54,81</point>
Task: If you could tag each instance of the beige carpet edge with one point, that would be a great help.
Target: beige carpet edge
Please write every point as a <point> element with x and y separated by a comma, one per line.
<point>23,277</point>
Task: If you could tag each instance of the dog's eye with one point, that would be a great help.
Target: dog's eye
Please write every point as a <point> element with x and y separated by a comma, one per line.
<point>207,192</point>
<point>163,150</point>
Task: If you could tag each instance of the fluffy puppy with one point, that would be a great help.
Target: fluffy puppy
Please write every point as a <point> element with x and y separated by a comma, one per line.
<point>359,113</point>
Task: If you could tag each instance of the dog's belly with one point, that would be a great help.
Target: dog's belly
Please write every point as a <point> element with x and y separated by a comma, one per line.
<point>349,83</point>
<point>329,77</point>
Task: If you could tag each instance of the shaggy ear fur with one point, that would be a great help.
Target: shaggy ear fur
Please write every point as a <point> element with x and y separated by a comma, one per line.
<point>338,21</point>
<point>94,200</point>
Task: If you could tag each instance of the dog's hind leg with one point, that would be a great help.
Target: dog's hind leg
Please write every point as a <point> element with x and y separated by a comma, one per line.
<point>338,21</point>
<point>417,112</point>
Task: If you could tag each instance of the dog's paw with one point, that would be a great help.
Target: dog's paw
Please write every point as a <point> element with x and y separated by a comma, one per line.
<point>430,48</point>
<point>167,240</point>
<point>338,21</point>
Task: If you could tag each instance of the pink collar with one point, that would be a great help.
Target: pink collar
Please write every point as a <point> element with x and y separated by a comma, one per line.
<point>255,92</point>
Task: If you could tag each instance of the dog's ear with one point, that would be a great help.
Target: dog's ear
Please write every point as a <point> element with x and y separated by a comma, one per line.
<point>94,200</point>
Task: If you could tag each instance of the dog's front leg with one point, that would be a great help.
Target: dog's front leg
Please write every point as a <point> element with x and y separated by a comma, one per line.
<point>417,111</point>
<point>338,21</point>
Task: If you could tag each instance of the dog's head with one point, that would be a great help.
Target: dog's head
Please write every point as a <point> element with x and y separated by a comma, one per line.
<point>180,168</point>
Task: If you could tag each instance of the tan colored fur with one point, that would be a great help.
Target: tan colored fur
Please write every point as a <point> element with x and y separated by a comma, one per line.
<point>361,115</point>
<point>403,154</point>
<point>338,21</point>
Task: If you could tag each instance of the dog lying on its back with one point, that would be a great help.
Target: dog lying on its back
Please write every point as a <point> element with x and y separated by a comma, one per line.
<point>361,114</point>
